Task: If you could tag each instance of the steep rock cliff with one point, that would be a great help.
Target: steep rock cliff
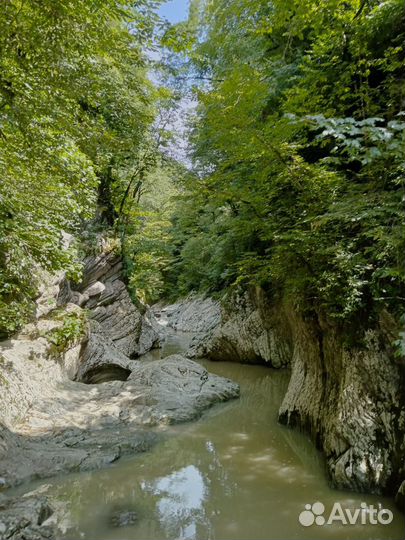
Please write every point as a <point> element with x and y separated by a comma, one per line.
<point>350,398</point>
<point>248,330</point>
<point>119,329</point>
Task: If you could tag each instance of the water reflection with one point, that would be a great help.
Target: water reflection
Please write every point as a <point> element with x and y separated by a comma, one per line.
<point>174,343</point>
<point>181,496</point>
<point>236,474</point>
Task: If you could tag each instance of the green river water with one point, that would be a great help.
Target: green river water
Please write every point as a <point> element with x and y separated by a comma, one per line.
<point>235,474</point>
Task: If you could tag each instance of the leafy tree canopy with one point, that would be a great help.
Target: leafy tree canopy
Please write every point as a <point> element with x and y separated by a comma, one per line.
<point>297,176</point>
<point>299,150</point>
<point>76,106</point>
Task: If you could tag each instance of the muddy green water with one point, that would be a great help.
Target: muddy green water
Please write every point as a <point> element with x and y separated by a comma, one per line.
<point>234,474</point>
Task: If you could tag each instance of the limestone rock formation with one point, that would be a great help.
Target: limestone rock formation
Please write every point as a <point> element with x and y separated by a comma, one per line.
<point>195,314</point>
<point>350,398</point>
<point>245,329</point>
<point>129,329</point>
<point>176,389</point>
<point>26,517</point>
<point>61,425</point>
<point>51,421</point>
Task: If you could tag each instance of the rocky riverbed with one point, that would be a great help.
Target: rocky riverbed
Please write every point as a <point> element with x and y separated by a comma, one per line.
<point>54,419</point>
<point>348,397</point>
<point>84,402</point>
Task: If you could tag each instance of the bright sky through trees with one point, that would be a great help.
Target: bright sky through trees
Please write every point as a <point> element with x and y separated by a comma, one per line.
<point>280,123</point>
<point>175,10</point>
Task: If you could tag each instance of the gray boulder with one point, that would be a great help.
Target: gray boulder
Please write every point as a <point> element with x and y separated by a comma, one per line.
<point>244,329</point>
<point>50,424</point>
<point>26,518</point>
<point>194,314</point>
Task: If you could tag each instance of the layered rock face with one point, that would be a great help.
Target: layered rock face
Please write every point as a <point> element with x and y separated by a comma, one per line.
<point>52,422</point>
<point>27,518</point>
<point>119,330</point>
<point>351,399</point>
<point>195,314</point>
<point>247,330</point>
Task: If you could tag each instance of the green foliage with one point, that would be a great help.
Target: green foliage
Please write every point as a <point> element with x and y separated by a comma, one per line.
<point>146,236</point>
<point>69,333</point>
<point>75,108</point>
<point>299,152</point>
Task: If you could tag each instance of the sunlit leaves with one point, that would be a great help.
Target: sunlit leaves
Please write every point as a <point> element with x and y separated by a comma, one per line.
<point>299,145</point>
<point>74,96</point>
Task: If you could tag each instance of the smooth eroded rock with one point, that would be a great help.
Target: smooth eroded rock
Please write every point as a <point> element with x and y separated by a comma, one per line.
<point>196,314</point>
<point>70,426</point>
<point>351,401</point>
<point>245,329</point>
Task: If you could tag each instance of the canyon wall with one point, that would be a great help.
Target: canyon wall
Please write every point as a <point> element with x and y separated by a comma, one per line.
<point>350,398</point>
